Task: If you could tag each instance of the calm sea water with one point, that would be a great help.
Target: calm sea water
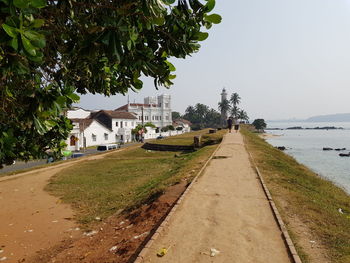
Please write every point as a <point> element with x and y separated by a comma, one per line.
<point>306,147</point>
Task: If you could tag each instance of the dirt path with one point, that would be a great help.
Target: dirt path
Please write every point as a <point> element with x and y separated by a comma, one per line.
<point>226,210</point>
<point>30,218</point>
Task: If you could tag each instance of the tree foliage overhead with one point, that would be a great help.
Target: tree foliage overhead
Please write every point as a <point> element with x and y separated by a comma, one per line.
<point>51,49</point>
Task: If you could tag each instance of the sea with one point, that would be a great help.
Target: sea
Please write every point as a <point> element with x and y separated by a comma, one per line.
<point>306,146</point>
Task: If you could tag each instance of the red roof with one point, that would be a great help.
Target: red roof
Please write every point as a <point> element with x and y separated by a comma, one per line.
<point>119,114</point>
<point>181,121</point>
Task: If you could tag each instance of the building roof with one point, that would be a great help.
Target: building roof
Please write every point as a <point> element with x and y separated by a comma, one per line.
<point>83,123</point>
<point>126,106</point>
<point>119,114</point>
<point>181,121</point>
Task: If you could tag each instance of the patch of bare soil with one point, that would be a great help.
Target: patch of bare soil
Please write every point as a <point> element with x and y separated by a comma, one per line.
<point>118,239</point>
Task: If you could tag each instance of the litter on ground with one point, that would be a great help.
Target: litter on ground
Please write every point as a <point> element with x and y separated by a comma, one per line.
<point>114,248</point>
<point>214,252</point>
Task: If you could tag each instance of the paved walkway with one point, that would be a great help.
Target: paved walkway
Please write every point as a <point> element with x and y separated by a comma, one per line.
<point>226,210</point>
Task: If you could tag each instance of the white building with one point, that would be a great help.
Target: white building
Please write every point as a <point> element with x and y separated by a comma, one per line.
<point>156,110</point>
<point>120,122</point>
<point>102,127</point>
<point>185,125</point>
<point>92,128</point>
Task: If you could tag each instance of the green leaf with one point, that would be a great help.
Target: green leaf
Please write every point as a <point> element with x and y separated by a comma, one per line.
<point>50,123</point>
<point>172,76</point>
<point>202,36</point>
<point>214,18</point>
<point>8,93</point>
<point>39,126</point>
<point>36,39</point>
<point>28,46</point>
<point>168,2</point>
<point>129,43</point>
<point>38,3</point>
<point>74,97</point>
<point>210,5</point>
<point>14,43</point>
<point>38,23</point>
<point>61,100</point>
<point>21,3</point>
<point>159,21</point>
<point>11,31</point>
<point>170,66</point>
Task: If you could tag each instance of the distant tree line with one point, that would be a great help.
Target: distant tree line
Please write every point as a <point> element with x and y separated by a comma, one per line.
<point>201,116</point>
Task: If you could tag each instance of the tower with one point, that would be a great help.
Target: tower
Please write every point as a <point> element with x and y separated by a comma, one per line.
<point>224,106</point>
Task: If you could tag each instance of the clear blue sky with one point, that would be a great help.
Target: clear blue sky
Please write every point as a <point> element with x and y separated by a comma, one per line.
<point>286,59</point>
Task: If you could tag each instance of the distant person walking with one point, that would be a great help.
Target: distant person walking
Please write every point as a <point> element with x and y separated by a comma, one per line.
<point>236,124</point>
<point>229,124</point>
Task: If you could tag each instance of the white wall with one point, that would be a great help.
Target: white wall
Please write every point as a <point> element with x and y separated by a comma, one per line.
<point>98,130</point>
<point>125,129</point>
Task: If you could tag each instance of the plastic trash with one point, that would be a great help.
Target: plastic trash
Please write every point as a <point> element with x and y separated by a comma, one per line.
<point>91,233</point>
<point>114,248</point>
<point>340,211</point>
<point>162,252</point>
<point>141,235</point>
<point>214,252</point>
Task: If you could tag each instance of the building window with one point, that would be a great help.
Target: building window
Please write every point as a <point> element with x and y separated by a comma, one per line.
<point>116,124</point>
<point>152,118</point>
<point>167,118</point>
<point>94,137</point>
<point>132,123</point>
<point>126,124</point>
<point>160,117</point>
<point>106,136</point>
<point>166,105</point>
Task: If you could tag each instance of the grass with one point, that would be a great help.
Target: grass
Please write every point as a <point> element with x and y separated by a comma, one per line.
<point>123,180</point>
<point>299,191</point>
<point>187,138</point>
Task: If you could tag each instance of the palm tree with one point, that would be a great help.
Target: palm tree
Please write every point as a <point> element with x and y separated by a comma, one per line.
<point>224,106</point>
<point>235,99</point>
<point>235,111</point>
<point>242,114</point>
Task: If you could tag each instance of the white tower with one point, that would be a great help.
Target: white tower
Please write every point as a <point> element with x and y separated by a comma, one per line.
<point>223,112</point>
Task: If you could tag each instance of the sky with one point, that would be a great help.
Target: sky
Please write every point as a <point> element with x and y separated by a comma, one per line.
<point>285,58</point>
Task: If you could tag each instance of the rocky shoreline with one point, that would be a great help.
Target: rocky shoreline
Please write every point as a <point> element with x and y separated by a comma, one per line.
<point>302,128</point>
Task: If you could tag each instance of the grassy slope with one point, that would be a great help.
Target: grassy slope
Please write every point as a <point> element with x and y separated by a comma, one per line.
<point>299,191</point>
<point>187,138</point>
<point>124,179</point>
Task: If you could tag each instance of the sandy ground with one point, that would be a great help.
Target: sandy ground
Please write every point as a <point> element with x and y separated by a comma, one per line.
<point>226,210</point>
<point>269,135</point>
<point>31,219</point>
